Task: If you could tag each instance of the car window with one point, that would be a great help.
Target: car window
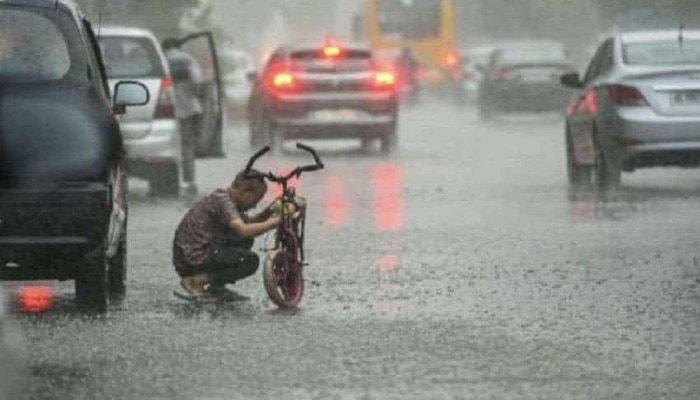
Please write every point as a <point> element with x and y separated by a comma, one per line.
<point>349,61</point>
<point>662,52</point>
<point>595,67</point>
<point>33,47</point>
<point>129,57</point>
<point>531,54</point>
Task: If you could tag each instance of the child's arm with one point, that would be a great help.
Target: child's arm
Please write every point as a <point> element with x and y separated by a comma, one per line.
<point>253,229</point>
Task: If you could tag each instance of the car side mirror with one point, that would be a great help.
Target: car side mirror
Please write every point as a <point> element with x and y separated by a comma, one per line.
<point>252,76</point>
<point>128,94</point>
<point>571,80</point>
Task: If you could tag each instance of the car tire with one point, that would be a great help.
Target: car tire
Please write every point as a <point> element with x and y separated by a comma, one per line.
<point>91,291</point>
<point>116,275</point>
<point>216,145</point>
<point>389,140</point>
<point>166,182</point>
<point>606,175</point>
<point>579,175</point>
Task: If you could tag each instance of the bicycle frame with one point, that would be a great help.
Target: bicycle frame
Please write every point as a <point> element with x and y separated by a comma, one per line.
<point>295,226</point>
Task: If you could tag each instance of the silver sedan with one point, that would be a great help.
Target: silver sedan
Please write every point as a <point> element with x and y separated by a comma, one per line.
<point>638,106</point>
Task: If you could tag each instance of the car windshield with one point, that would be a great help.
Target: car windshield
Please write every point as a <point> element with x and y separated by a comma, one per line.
<point>531,54</point>
<point>37,46</point>
<point>662,52</point>
<point>410,19</point>
<point>348,61</point>
<point>130,57</point>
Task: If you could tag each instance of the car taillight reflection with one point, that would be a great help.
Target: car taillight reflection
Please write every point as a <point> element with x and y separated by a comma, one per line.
<point>35,299</point>
<point>388,204</point>
<point>335,205</point>
<point>165,108</point>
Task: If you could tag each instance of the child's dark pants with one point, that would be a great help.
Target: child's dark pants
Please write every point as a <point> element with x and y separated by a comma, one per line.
<point>230,260</point>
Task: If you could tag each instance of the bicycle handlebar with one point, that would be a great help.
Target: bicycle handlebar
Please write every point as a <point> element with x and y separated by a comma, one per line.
<point>296,172</point>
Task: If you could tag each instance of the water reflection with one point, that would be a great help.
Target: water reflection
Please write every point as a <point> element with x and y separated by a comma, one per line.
<point>388,203</point>
<point>335,204</point>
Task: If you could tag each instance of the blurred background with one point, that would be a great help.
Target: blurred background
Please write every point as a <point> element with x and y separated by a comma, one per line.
<point>257,25</point>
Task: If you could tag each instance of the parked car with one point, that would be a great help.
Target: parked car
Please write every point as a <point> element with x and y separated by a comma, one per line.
<point>524,76</point>
<point>638,106</point>
<point>12,355</point>
<point>324,91</point>
<point>63,205</point>
<point>151,132</point>
<point>237,66</point>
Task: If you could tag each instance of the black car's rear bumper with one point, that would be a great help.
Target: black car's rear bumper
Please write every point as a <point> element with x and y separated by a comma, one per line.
<point>355,111</point>
<point>45,232</point>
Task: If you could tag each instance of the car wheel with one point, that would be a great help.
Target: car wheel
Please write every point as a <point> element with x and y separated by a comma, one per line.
<point>91,282</point>
<point>116,275</point>
<point>579,175</point>
<point>166,181</point>
<point>389,140</point>
<point>606,175</point>
<point>216,145</point>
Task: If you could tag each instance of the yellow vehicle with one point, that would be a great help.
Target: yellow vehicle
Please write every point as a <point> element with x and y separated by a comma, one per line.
<point>425,26</point>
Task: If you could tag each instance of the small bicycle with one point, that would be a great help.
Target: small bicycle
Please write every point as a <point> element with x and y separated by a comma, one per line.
<point>283,268</point>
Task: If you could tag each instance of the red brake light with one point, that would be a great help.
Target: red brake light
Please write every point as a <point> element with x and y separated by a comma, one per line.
<point>331,51</point>
<point>626,96</point>
<point>165,109</point>
<point>283,80</point>
<point>35,299</point>
<point>384,78</point>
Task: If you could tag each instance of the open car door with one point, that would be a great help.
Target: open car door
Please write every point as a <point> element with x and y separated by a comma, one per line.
<point>209,141</point>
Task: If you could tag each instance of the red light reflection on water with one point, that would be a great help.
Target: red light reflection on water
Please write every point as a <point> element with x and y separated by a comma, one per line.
<point>388,263</point>
<point>35,299</point>
<point>388,204</point>
<point>335,205</point>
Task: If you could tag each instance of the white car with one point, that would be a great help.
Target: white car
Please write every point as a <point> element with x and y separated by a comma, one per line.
<point>12,359</point>
<point>151,132</point>
<point>237,67</point>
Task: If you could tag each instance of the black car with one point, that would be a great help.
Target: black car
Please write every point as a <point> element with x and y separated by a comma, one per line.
<point>524,76</point>
<point>324,91</point>
<point>63,207</point>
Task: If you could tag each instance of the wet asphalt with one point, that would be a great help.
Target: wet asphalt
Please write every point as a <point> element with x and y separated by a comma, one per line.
<point>460,267</point>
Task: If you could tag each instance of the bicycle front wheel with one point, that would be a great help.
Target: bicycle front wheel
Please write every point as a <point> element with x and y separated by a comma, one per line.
<point>283,275</point>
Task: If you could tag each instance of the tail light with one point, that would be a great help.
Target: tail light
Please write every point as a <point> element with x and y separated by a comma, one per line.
<point>283,81</point>
<point>331,51</point>
<point>383,80</point>
<point>626,96</point>
<point>587,104</point>
<point>165,109</point>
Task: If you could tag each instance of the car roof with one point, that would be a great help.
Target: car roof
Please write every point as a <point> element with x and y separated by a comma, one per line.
<point>526,43</point>
<point>653,35</point>
<point>126,31</point>
<point>63,5</point>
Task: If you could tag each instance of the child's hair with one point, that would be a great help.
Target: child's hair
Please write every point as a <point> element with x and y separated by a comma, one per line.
<point>255,185</point>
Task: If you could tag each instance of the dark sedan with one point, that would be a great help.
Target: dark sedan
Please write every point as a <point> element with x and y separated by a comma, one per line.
<point>524,76</point>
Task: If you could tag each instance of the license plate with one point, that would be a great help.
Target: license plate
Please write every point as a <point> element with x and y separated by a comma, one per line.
<point>685,98</point>
<point>334,115</point>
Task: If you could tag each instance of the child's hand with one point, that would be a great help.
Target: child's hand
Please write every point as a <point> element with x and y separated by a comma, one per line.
<point>276,208</point>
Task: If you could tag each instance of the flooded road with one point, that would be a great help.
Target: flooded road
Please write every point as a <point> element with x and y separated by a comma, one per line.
<point>459,267</point>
